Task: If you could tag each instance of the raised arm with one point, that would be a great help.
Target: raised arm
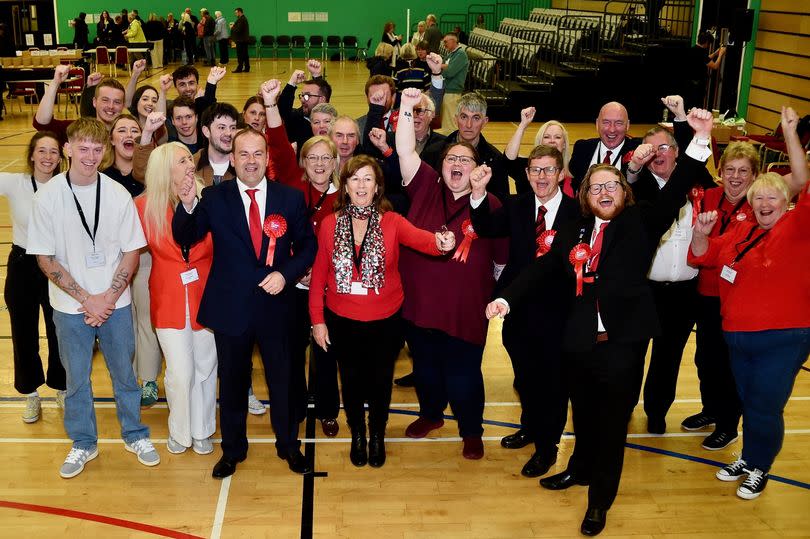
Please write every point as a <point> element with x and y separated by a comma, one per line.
<point>797,179</point>
<point>137,69</point>
<point>45,110</point>
<point>409,161</point>
<point>282,156</point>
<point>436,89</point>
<point>513,147</point>
<point>86,107</point>
<point>701,231</point>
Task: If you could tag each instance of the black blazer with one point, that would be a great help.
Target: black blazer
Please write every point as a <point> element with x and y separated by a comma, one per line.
<point>620,285</point>
<point>232,300</point>
<point>583,153</point>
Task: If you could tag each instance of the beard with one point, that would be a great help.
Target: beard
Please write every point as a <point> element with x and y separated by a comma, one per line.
<point>610,213</point>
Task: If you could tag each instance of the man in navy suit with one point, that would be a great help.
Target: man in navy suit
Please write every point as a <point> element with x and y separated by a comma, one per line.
<point>248,297</point>
<point>527,219</point>
<point>610,148</point>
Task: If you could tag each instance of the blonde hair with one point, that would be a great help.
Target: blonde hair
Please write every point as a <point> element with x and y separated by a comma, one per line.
<point>407,52</point>
<point>309,144</point>
<point>159,193</point>
<point>386,50</point>
<point>566,152</point>
<point>740,150</point>
<point>769,180</point>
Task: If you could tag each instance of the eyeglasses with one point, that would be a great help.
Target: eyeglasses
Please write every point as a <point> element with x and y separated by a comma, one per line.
<point>461,159</point>
<point>731,171</point>
<point>420,111</point>
<point>536,171</point>
<point>314,159</point>
<point>306,96</point>
<point>610,187</point>
<point>663,147</point>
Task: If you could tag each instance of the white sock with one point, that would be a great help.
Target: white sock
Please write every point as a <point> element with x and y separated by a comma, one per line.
<point>34,394</point>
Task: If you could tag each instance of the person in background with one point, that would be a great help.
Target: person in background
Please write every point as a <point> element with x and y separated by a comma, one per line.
<point>410,71</point>
<point>380,63</point>
<point>454,68</point>
<point>433,35</point>
<point>222,34</point>
<point>240,33</point>
<point>155,31</point>
<point>419,35</point>
<point>106,30</point>
<point>80,31</point>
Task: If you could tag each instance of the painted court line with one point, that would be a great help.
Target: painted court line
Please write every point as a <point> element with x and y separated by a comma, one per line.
<point>222,502</point>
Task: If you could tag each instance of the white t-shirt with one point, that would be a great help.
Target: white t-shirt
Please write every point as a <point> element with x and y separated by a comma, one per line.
<point>56,229</point>
<point>19,190</point>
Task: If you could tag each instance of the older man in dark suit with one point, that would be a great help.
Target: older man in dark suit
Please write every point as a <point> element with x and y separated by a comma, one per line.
<point>530,221</point>
<point>601,263</point>
<point>248,298</point>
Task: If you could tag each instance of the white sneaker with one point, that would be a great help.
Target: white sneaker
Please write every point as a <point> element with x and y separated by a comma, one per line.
<point>60,399</point>
<point>255,406</point>
<point>174,447</point>
<point>202,447</point>
<point>75,461</point>
<point>145,451</point>
<point>33,409</point>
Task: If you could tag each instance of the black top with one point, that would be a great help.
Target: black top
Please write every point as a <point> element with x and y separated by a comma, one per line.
<point>134,187</point>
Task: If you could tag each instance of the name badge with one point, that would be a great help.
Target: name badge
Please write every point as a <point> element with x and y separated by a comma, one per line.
<point>95,259</point>
<point>728,274</point>
<point>189,276</point>
<point>358,289</point>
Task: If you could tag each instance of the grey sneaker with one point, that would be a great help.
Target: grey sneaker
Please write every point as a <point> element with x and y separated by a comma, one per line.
<point>255,406</point>
<point>75,461</point>
<point>145,451</point>
<point>149,394</point>
<point>175,447</point>
<point>202,447</point>
<point>60,399</point>
<point>33,409</point>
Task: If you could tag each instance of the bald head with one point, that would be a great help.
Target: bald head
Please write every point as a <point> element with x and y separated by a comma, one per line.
<point>612,124</point>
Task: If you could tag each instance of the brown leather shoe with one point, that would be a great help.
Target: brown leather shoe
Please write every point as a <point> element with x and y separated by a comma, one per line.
<point>422,427</point>
<point>330,427</point>
<point>473,448</point>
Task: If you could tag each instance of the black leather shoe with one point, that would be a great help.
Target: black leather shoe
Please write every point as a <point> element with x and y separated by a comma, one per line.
<point>330,427</point>
<point>376,450</point>
<point>225,467</point>
<point>296,461</point>
<point>517,440</point>
<point>358,454</point>
<point>539,464</point>
<point>406,381</point>
<point>594,521</point>
<point>656,425</point>
<point>562,481</point>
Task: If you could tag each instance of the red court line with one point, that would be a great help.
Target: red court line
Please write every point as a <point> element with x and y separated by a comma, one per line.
<point>81,515</point>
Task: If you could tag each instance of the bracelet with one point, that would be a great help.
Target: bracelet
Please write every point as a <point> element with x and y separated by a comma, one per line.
<point>631,171</point>
<point>436,74</point>
<point>270,106</point>
<point>389,152</point>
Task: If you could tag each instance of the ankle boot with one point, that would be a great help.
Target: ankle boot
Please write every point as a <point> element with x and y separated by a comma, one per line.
<point>358,454</point>
<point>376,449</point>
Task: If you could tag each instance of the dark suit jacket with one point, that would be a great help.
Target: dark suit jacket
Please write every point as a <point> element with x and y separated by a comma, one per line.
<point>620,286</point>
<point>232,298</point>
<point>583,153</point>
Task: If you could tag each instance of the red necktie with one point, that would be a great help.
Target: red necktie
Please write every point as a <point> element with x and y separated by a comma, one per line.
<point>597,247</point>
<point>255,222</point>
<point>607,160</point>
<point>540,225</point>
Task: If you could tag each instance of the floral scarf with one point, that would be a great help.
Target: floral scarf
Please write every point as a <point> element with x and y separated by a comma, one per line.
<point>372,260</point>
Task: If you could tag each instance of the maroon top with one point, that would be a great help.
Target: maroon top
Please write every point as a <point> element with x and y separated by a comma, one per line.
<point>441,293</point>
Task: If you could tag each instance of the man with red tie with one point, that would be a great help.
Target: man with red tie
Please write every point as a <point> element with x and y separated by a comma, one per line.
<point>612,147</point>
<point>263,243</point>
<point>601,263</point>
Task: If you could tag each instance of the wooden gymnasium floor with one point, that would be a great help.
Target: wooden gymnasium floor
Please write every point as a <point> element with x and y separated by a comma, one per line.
<point>426,488</point>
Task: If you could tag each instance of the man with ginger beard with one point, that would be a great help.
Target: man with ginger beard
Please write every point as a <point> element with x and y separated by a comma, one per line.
<point>611,147</point>
<point>601,262</point>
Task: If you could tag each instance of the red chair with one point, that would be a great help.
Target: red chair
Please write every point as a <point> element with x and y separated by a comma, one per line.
<point>103,57</point>
<point>72,88</point>
<point>121,57</point>
<point>23,90</point>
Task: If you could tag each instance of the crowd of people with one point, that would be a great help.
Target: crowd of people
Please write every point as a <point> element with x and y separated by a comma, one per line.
<point>187,230</point>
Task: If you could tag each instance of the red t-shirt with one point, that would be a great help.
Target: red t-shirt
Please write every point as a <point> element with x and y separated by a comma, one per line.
<point>376,304</point>
<point>442,293</point>
<point>729,215</point>
<point>771,289</point>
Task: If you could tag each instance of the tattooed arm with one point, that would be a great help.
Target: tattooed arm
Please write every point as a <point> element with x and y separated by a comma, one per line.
<point>123,275</point>
<point>96,308</point>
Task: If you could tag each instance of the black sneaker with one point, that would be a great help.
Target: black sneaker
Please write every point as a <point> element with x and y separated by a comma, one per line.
<point>731,472</point>
<point>697,422</point>
<point>753,485</point>
<point>718,440</point>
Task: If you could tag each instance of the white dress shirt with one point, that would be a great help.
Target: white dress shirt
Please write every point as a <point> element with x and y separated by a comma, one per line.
<point>261,198</point>
<point>552,206</point>
<point>596,226</point>
<point>669,263</point>
<point>601,151</point>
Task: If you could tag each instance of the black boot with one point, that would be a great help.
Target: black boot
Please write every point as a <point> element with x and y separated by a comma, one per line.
<point>376,449</point>
<point>358,454</point>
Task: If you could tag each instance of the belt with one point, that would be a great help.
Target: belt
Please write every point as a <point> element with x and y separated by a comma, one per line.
<point>602,336</point>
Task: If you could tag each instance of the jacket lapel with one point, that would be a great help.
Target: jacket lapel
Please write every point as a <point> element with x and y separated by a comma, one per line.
<point>237,210</point>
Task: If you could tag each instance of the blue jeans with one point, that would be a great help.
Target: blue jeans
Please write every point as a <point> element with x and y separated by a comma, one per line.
<point>765,365</point>
<point>117,342</point>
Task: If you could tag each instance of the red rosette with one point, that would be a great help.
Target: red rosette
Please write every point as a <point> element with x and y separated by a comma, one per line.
<point>544,242</point>
<point>696,196</point>
<point>627,157</point>
<point>275,226</point>
<point>469,235</point>
<point>579,256</point>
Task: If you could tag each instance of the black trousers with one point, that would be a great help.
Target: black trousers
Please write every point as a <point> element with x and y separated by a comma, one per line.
<point>323,385</point>
<point>676,304</point>
<point>605,384</point>
<point>540,383</point>
<point>25,292</point>
<point>365,352</point>
<point>235,359</point>
<point>718,391</point>
<point>223,50</point>
<point>242,57</point>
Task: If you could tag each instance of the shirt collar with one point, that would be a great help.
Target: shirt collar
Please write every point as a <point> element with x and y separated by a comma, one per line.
<point>551,205</point>
<point>262,186</point>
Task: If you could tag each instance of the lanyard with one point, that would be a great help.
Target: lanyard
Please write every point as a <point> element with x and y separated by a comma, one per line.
<point>317,207</point>
<point>750,246</point>
<point>81,212</point>
<point>616,157</point>
<point>357,257</point>
<point>34,184</point>
<point>726,219</point>
<point>451,218</point>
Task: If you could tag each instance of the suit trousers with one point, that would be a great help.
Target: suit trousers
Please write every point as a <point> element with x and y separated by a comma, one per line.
<point>365,352</point>
<point>242,56</point>
<point>223,44</point>
<point>448,370</point>
<point>25,292</point>
<point>540,384</point>
<point>605,383</point>
<point>718,392</point>
<point>148,359</point>
<point>676,303</point>
<point>235,354</point>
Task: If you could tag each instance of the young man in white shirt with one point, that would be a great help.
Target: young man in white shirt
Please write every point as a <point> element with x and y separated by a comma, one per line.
<point>85,232</point>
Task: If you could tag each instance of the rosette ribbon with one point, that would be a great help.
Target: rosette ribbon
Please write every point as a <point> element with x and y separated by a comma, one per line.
<point>696,196</point>
<point>544,242</point>
<point>275,226</point>
<point>469,235</point>
<point>579,255</point>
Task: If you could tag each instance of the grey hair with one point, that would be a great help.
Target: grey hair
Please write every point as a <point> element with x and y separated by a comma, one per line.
<point>473,102</point>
